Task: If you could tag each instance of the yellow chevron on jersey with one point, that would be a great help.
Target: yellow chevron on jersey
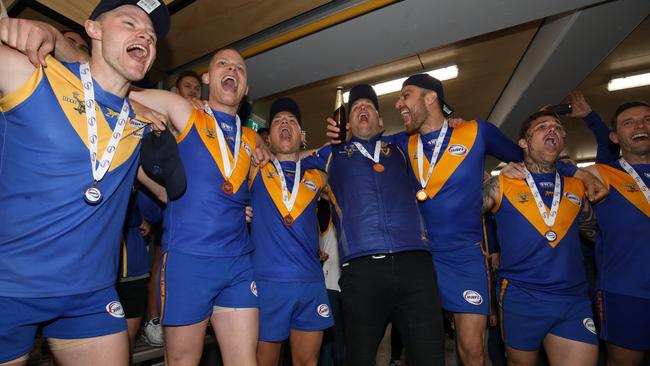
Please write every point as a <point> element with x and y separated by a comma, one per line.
<point>310,185</point>
<point>521,197</point>
<point>463,136</point>
<point>625,185</point>
<point>69,93</point>
<point>206,128</point>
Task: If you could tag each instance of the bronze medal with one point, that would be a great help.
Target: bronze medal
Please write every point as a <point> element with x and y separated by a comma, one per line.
<point>288,220</point>
<point>421,195</point>
<point>379,168</point>
<point>227,187</point>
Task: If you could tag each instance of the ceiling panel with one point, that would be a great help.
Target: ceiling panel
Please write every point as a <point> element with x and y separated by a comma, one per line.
<point>485,65</point>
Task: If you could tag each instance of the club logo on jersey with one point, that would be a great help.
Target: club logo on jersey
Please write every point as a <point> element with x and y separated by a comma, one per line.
<point>457,150</point>
<point>114,308</point>
<point>226,127</point>
<point>76,100</point>
<point>573,198</point>
<point>323,310</point>
<point>254,288</point>
<point>631,187</point>
<point>473,297</point>
<point>311,185</point>
<point>349,150</point>
<point>589,324</point>
<point>247,147</point>
<point>139,127</point>
<point>211,133</point>
<point>385,149</point>
<point>523,197</point>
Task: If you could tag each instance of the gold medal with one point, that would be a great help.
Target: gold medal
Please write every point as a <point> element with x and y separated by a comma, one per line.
<point>379,168</point>
<point>227,187</point>
<point>421,195</point>
<point>288,220</point>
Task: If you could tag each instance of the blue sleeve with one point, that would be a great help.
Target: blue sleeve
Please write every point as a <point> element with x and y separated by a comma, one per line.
<point>401,139</point>
<point>318,160</point>
<point>498,145</point>
<point>606,150</point>
<point>150,208</point>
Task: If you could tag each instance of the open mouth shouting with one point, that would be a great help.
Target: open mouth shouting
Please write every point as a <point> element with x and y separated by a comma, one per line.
<point>230,83</point>
<point>139,52</point>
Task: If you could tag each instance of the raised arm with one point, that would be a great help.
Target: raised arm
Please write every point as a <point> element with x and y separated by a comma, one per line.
<point>175,108</point>
<point>37,39</point>
<point>606,150</point>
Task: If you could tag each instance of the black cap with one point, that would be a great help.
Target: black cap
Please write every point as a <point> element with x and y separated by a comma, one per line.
<point>161,161</point>
<point>156,9</point>
<point>362,91</point>
<point>284,105</point>
<point>427,81</point>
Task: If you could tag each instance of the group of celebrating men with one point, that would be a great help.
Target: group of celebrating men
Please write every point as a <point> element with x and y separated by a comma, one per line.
<point>407,209</point>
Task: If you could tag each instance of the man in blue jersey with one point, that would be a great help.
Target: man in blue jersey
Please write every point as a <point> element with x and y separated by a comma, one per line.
<point>387,273</point>
<point>216,151</point>
<point>290,283</point>
<point>543,288</point>
<point>622,249</point>
<point>69,155</point>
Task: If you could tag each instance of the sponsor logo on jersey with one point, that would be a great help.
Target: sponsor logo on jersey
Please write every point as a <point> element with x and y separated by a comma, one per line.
<point>311,185</point>
<point>589,324</point>
<point>457,149</point>
<point>226,127</point>
<point>573,198</point>
<point>254,288</point>
<point>547,184</point>
<point>323,310</point>
<point>647,175</point>
<point>473,297</point>
<point>114,308</point>
<point>247,147</point>
<point>139,127</point>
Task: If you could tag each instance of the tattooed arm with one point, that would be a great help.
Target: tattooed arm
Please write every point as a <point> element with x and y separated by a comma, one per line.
<point>490,193</point>
<point>587,223</point>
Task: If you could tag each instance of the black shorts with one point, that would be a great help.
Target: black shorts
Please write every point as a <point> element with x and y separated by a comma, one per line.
<point>133,296</point>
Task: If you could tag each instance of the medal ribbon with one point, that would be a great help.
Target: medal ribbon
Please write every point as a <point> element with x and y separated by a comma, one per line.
<point>288,201</point>
<point>99,170</point>
<point>434,157</point>
<point>365,152</point>
<point>549,219</point>
<point>223,145</point>
<point>628,168</point>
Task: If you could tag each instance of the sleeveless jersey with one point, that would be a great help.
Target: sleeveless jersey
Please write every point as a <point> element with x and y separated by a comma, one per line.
<point>547,270</point>
<point>285,252</point>
<point>52,243</point>
<point>206,220</point>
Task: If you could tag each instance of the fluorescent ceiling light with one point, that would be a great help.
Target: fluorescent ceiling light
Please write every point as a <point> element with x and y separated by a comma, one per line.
<point>445,73</point>
<point>627,82</point>
<point>585,164</point>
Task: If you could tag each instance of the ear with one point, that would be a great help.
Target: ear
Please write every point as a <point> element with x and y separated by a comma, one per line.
<point>614,137</point>
<point>381,122</point>
<point>93,29</point>
<point>205,78</point>
<point>246,93</point>
<point>430,98</point>
<point>522,143</point>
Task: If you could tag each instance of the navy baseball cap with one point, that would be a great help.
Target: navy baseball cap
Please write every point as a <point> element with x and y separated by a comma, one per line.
<point>426,81</point>
<point>284,104</point>
<point>156,9</point>
<point>362,91</point>
<point>161,161</point>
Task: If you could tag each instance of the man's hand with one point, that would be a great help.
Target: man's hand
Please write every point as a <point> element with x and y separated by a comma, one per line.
<point>579,106</point>
<point>249,214</point>
<point>323,255</point>
<point>455,122</point>
<point>34,39</point>
<point>158,120</point>
<point>198,103</point>
<point>595,190</point>
<point>261,156</point>
<point>145,228</point>
<point>333,131</point>
<point>514,171</point>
